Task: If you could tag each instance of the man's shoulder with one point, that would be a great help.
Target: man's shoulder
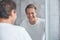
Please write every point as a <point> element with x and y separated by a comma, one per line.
<point>41,19</point>
<point>19,27</point>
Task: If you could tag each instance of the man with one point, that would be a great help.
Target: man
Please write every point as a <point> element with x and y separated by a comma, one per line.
<point>33,24</point>
<point>7,18</point>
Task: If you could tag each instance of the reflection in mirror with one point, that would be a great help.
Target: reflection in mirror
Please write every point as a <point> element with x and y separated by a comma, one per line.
<point>31,16</point>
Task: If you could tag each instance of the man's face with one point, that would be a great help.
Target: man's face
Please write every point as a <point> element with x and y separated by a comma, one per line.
<point>31,14</point>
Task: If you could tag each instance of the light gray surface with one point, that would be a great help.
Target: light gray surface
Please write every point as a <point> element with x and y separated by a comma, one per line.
<point>59,19</point>
<point>52,18</point>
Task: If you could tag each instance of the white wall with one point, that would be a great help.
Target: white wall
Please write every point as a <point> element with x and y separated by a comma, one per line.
<point>52,19</point>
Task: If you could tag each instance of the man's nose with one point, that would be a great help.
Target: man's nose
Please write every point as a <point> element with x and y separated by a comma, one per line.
<point>30,15</point>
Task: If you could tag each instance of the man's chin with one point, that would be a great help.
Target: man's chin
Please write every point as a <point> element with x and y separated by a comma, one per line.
<point>32,20</point>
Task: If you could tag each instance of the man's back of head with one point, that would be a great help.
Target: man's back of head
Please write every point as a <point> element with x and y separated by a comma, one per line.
<point>7,10</point>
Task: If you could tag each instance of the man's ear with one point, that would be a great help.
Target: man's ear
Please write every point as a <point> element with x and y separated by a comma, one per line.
<point>12,13</point>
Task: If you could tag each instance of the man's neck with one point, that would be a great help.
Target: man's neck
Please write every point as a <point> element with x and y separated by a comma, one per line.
<point>33,22</point>
<point>5,20</point>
